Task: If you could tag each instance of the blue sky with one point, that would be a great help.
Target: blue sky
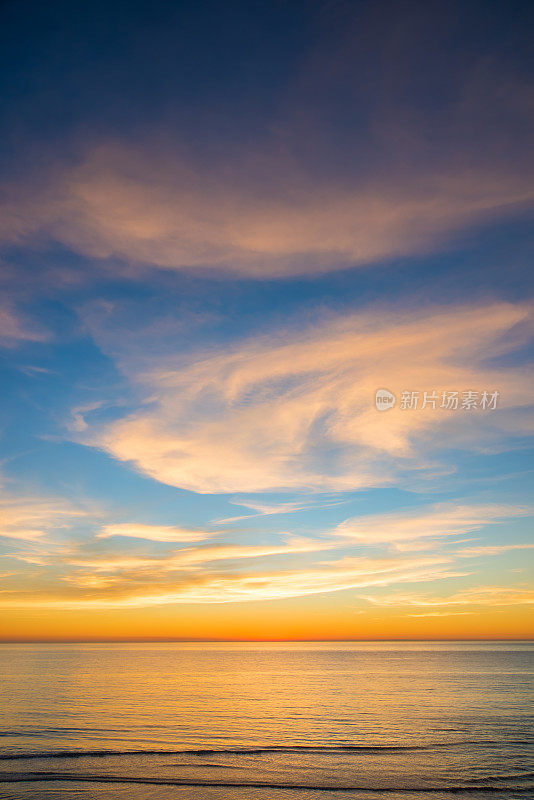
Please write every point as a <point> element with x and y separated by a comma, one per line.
<point>223,228</point>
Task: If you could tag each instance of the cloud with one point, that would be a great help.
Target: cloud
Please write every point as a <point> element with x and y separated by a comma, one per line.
<point>31,518</point>
<point>103,572</point>
<point>263,509</point>
<point>263,215</point>
<point>135,586</point>
<point>155,533</point>
<point>78,423</point>
<point>491,550</point>
<point>364,148</point>
<point>14,329</point>
<point>197,556</point>
<point>441,520</point>
<point>295,409</point>
<point>479,596</point>
<point>442,614</point>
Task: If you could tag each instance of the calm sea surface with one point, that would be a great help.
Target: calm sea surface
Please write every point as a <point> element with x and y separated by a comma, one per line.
<point>266,721</point>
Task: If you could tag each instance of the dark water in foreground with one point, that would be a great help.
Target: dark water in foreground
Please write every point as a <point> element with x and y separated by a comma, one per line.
<point>313,721</point>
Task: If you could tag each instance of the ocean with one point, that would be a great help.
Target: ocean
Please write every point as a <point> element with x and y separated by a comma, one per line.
<point>267,721</point>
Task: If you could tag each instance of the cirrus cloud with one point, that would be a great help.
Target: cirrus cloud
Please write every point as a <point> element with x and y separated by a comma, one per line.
<point>155,533</point>
<point>296,409</point>
<point>164,210</point>
<point>32,518</point>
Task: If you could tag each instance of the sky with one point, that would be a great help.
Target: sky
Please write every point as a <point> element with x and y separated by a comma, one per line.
<point>223,228</point>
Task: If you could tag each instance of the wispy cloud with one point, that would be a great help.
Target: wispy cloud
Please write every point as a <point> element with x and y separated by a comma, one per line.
<point>31,518</point>
<point>155,533</point>
<point>187,557</point>
<point>295,410</point>
<point>14,328</point>
<point>78,423</point>
<point>479,596</point>
<point>442,614</point>
<point>166,210</point>
<point>355,163</point>
<point>137,584</point>
<point>491,550</point>
<point>435,522</point>
<point>271,509</point>
<point>101,572</point>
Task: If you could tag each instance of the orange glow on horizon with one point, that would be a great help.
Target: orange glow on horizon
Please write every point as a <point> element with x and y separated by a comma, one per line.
<point>295,621</point>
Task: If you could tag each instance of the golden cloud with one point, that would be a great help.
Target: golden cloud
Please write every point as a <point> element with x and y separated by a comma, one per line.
<point>31,518</point>
<point>296,410</point>
<point>96,574</point>
<point>435,522</point>
<point>137,587</point>
<point>479,596</point>
<point>155,533</point>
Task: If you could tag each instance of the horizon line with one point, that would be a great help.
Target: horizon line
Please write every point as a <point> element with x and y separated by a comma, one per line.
<point>190,640</point>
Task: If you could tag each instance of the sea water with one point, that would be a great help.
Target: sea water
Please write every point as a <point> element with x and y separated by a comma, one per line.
<point>266,721</point>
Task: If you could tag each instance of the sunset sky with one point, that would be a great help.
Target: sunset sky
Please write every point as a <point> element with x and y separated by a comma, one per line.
<point>224,227</point>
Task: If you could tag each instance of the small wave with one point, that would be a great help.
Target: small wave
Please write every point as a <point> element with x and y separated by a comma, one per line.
<point>341,748</point>
<point>111,779</point>
<point>209,751</point>
<point>502,777</point>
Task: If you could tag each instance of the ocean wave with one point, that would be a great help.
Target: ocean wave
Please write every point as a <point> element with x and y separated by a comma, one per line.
<point>342,748</point>
<point>111,779</point>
